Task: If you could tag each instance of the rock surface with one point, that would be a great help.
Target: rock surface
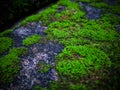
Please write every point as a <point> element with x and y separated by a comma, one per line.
<point>91,12</point>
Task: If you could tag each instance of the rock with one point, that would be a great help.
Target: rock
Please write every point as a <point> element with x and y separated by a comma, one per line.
<point>91,12</point>
<point>30,29</point>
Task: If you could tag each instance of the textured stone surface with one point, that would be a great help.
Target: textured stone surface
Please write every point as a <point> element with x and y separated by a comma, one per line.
<point>91,12</point>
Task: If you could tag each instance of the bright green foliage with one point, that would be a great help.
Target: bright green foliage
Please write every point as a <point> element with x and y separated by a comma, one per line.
<point>76,61</point>
<point>93,30</point>
<point>30,19</point>
<point>6,32</point>
<point>5,44</point>
<point>31,40</point>
<point>70,33</point>
<point>10,64</point>
<point>79,64</point>
<point>43,67</point>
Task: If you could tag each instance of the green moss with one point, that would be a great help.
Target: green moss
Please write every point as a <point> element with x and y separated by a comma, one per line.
<point>5,44</point>
<point>43,67</point>
<point>10,64</point>
<point>70,33</point>
<point>43,16</point>
<point>110,18</point>
<point>78,60</point>
<point>31,40</point>
<point>9,67</point>
<point>79,64</point>
<point>73,11</point>
<point>30,19</point>
<point>6,32</point>
<point>19,51</point>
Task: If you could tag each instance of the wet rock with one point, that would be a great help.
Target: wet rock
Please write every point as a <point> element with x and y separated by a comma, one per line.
<point>91,12</point>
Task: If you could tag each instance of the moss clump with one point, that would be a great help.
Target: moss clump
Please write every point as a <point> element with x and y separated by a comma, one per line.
<point>19,51</point>
<point>5,44</point>
<point>43,67</point>
<point>6,32</point>
<point>70,33</point>
<point>31,40</point>
<point>10,65</point>
<point>76,61</point>
<point>80,64</point>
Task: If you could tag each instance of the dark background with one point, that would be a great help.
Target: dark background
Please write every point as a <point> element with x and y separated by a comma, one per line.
<point>12,11</point>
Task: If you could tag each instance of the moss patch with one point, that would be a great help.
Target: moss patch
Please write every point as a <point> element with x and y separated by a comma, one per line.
<point>19,51</point>
<point>10,65</point>
<point>6,32</point>
<point>70,33</point>
<point>80,67</point>
<point>76,61</point>
<point>31,40</point>
<point>5,44</point>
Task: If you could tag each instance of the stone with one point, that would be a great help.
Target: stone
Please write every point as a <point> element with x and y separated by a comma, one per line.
<point>91,12</point>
